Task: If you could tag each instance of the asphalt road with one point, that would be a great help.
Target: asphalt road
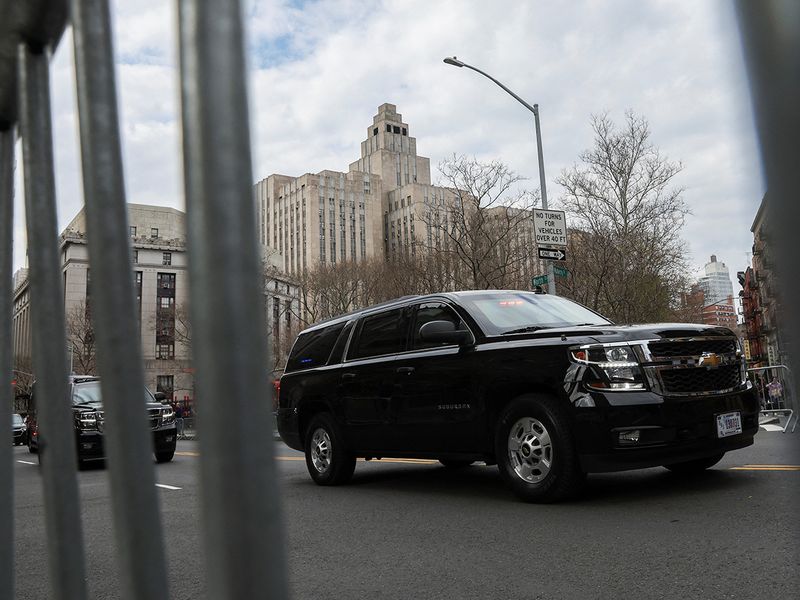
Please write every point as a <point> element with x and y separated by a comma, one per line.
<point>413,529</point>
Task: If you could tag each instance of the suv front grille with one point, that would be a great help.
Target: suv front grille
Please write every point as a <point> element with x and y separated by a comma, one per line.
<point>675,365</point>
<point>700,380</point>
<point>154,417</point>
<point>692,347</point>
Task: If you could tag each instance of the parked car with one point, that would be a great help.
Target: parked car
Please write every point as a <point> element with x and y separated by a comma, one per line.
<point>18,429</point>
<point>541,386</point>
<point>89,422</point>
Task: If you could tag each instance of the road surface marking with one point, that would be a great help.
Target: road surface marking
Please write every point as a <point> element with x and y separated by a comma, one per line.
<point>411,461</point>
<point>25,462</point>
<point>766,468</point>
<point>167,487</point>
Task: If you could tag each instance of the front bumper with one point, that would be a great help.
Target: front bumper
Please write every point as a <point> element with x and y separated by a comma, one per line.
<point>671,429</point>
<point>91,444</point>
<point>20,436</point>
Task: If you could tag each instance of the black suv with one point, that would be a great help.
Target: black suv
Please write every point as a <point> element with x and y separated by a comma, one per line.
<point>543,387</point>
<point>18,429</point>
<point>89,422</point>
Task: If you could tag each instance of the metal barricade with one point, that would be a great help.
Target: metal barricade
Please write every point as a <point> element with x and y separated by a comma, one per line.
<point>186,428</point>
<point>774,386</point>
<point>241,523</point>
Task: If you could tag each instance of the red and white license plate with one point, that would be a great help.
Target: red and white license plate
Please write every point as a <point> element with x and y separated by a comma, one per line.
<point>729,424</point>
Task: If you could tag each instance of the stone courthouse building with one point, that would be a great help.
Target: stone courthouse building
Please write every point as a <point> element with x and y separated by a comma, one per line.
<point>373,209</point>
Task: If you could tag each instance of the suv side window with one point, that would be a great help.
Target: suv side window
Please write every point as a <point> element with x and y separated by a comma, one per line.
<point>433,311</point>
<point>384,333</point>
<point>338,350</point>
<point>313,349</point>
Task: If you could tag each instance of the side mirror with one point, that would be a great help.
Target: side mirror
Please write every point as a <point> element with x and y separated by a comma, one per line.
<point>160,396</point>
<point>444,332</point>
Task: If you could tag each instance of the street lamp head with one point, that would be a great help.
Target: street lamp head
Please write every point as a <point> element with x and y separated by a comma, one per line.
<point>454,61</point>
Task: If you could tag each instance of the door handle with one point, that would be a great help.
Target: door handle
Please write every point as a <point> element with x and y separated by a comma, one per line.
<point>405,370</point>
<point>348,376</point>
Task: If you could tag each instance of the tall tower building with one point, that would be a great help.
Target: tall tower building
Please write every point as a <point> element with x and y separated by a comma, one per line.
<point>716,283</point>
<point>383,205</point>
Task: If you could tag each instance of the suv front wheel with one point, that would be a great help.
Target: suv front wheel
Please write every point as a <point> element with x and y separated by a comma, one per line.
<point>327,458</point>
<point>535,450</point>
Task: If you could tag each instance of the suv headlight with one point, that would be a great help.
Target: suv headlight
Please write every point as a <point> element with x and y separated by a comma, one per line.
<point>610,367</point>
<point>86,420</point>
<point>167,415</point>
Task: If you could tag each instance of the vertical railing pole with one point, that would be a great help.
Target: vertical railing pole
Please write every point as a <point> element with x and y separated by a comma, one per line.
<point>57,444</point>
<point>771,48</point>
<point>6,361</point>
<point>129,444</point>
<point>242,526</point>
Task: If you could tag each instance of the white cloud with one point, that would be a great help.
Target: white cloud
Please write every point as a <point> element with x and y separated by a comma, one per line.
<point>320,69</point>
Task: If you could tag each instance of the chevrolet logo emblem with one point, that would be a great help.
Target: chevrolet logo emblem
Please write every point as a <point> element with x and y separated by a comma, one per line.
<point>710,360</point>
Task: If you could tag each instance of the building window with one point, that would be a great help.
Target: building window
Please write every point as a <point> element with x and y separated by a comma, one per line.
<point>135,257</point>
<point>165,351</point>
<point>404,131</point>
<point>138,275</point>
<point>389,128</point>
<point>375,131</point>
<point>153,232</point>
<point>396,129</point>
<point>166,258</point>
<point>133,231</point>
<point>166,385</point>
<point>276,320</point>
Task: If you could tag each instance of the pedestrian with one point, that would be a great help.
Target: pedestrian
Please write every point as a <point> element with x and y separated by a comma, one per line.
<point>179,419</point>
<point>775,390</point>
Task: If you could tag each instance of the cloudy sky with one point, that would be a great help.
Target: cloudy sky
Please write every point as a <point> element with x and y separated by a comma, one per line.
<point>319,70</point>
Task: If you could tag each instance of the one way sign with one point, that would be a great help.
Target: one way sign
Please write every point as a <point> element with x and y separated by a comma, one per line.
<point>552,254</point>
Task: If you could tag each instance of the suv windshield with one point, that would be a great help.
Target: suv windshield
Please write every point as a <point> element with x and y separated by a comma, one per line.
<point>517,312</point>
<point>17,420</point>
<point>89,393</point>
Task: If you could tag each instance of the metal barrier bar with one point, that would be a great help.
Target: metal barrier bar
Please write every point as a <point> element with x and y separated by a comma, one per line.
<point>57,445</point>
<point>771,47</point>
<point>241,514</point>
<point>128,440</point>
<point>6,360</point>
<point>789,381</point>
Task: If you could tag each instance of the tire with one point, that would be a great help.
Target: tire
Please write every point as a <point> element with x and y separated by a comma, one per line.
<point>456,464</point>
<point>327,458</point>
<point>165,456</point>
<point>31,449</point>
<point>535,450</point>
<point>698,465</point>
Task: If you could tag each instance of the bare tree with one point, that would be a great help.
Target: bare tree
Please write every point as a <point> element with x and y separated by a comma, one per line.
<point>482,236</point>
<point>183,325</point>
<point>81,340</point>
<point>22,374</point>
<point>627,258</point>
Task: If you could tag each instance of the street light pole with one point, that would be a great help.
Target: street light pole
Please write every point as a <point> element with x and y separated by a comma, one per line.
<point>551,280</point>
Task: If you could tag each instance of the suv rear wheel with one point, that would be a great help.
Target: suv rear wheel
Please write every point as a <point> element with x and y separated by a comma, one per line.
<point>327,458</point>
<point>535,450</point>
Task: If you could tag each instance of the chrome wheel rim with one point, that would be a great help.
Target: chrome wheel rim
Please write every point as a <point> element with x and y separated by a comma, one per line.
<point>530,450</point>
<point>321,450</point>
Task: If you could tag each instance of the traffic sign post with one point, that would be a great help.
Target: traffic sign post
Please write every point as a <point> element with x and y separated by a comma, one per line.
<point>539,280</point>
<point>552,253</point>
<point>560,271</point>
<point>550,227</point>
